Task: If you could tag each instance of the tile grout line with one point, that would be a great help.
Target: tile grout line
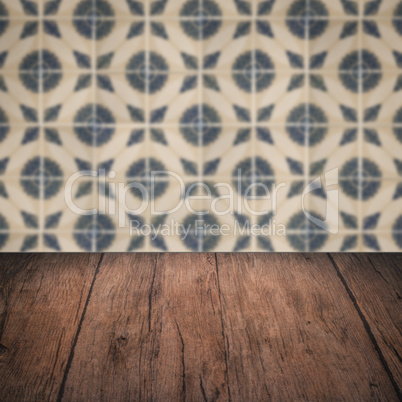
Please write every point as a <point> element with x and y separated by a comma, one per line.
<point>41,135</point>
<point>360,122</point>
<point>290,70</point>
<point>366,327</point>
<point>77,334</point>
<point>200,127</point>
<point>307,112</point>
<point>291,231</point>
<point>94,121</point>
<point>148,124</point>
<point>219,178</point>
<point>212,18</point>
<point>227,125</point>
<point>254,112</point>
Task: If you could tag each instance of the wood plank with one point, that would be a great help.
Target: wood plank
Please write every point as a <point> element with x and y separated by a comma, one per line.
<point>152,331</point>
<point>111,355</point>
<point>375,281</point>
<point>292,332</point>
<point>187,330</point>
<point>42,298</point>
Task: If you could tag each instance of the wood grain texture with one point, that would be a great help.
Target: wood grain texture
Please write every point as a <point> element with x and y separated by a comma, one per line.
<point>187,325</point>
<point>152,331</point>
<point>196,327</point>
<point>375,280</point>
<point>112,349</point>
<point>41,302</point>
<point>292,332</point>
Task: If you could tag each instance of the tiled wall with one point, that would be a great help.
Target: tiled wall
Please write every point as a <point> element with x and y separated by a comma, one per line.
<point>226,93</point>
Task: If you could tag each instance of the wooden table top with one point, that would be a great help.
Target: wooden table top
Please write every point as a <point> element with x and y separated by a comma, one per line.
<point>240,327</point>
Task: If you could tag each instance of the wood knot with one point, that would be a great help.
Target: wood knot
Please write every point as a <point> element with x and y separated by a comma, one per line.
<point>122,340</point>
<point>211,259</point>
<point>3,349</point>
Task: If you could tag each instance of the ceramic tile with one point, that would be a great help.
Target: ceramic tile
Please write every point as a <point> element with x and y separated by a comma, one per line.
<point>383,210</point>
<point>382,47</point>
<point>345,9</point>
<point>64,145</point>
<point>126,145</point>
<point>282,149</point>
<point>69,98</point>
<point>282,100</point>
<point>171,9</point>
<point>391,242</point>
<point>339,212</point>
<point>384,148</point>
<point>229,9</point>
<point>290,229</point>
<point>337,49</point>
<point>382,219</point>
<point>19,45</point>
<point>173,46</point>
<point>18,242</point>
<point>19,100</point>
<point>230,48</point>
<point>68,47</point>
<point>123,49</point>
<point>175,100</point>
<point>13,9</point>
<point>380,105</point>
<point>276,47</point>
<point>174,153</point>
<point>380,9</point>
<point>23,209</point>
<point>120,99</point>
<point>19,145</point>
<point>311,10</point>
<point>122,9</point>
<point>334,98</point>
<point>307,19</point>
<point>221,157</point>
<point>227,100</point>
<point>281,120</point>
<point>339,144</point>
<point>279,9</point>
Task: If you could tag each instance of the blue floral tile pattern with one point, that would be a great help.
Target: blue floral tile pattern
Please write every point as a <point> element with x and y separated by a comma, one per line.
<point>200,125</point>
